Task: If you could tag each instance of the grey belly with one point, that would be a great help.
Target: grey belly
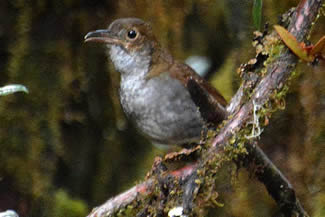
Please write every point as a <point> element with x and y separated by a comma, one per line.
<point>163,110</point>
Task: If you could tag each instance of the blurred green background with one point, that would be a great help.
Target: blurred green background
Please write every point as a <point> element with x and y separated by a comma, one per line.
<point>67,147</point>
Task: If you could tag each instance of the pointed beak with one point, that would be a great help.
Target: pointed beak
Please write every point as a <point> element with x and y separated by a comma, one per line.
<point>102,36</point>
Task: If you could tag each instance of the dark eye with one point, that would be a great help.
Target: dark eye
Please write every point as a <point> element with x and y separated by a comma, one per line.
<point>132,34</point>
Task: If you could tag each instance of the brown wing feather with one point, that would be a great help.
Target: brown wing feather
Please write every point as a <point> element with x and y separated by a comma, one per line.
<point>211,103</point>
<point>184,73</point>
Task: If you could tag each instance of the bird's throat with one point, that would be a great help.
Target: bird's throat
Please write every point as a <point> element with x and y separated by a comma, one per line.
<point>130,63</point>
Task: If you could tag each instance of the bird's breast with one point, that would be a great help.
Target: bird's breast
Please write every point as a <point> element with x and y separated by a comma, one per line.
<point>162,108</point>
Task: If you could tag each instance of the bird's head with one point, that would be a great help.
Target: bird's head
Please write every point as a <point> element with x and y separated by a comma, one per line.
<point>131,42</point>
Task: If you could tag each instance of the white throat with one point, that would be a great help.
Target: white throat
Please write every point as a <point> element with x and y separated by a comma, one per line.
<point>130,63</point>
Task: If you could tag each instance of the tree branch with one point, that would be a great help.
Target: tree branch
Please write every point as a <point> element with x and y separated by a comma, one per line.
<point>274,181</point>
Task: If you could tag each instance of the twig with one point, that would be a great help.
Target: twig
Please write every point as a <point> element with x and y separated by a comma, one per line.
<point>274,181</point>
<point>122,200</point>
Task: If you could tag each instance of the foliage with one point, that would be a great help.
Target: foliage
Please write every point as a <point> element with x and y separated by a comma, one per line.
<point>257,13</point>
<point>68,207</point>
<point>13,88</point>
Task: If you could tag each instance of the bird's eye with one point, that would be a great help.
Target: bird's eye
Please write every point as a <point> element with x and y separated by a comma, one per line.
<point>132,34</point>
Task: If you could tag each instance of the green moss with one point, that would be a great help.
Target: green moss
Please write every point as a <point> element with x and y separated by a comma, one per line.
<point>273,48</point>
<point>223,80</point>
<point>318,205</point>
<point>66,206</point>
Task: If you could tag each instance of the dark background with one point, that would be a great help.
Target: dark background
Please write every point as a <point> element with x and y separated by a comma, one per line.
<point>67,147</point>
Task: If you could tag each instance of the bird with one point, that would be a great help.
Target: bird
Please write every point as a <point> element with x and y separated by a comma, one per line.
<point>161,95</point>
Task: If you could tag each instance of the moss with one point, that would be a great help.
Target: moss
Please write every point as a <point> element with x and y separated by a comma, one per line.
<point>66,206</point>
<point>318,205</point>
<point>223,80</point>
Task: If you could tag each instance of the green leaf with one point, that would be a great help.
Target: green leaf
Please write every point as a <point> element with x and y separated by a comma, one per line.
<point>257,13</point>
<point>12,88</point>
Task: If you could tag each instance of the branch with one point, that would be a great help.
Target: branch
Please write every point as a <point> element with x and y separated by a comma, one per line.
<point>113,205</point>
<point>277,73</point>
<point>274,181</point>
<point>168,189</point>
<point>141,190</point>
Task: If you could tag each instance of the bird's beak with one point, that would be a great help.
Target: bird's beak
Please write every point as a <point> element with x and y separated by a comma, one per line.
<point>102,36</point>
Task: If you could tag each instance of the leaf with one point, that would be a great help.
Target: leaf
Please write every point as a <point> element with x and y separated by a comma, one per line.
<point>319,47</point>
<point>257,13</point>
<point>9,213</point>
<point>12,88</point>
<point>293,44</point>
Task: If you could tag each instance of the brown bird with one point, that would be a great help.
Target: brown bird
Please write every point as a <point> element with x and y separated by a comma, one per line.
<point>159,94</point>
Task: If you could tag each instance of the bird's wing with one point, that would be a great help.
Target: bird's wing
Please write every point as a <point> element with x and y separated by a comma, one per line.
<point>211,103</point>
